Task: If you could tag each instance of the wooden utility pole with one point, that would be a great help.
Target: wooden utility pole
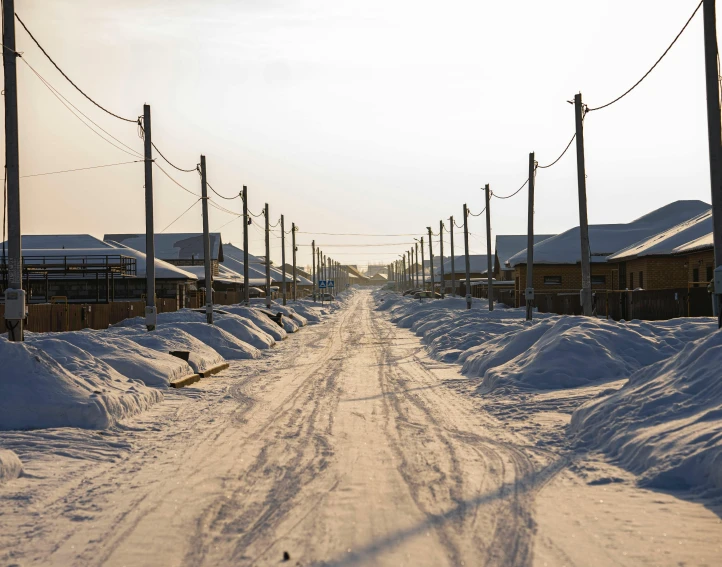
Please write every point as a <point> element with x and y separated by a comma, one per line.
<point>586,294</point>
<point>466,258</point>
<point>293,244</point>
<point>150,308</point>
<point>453,265</point>
<point>206,245</point>
<point>246,222</point>
<point>314,279</point>
<point>714,123</point>
<point>403,268</point>
<point>14,296</point>
<point>431,262</point>
<point>489,260</point>
<point>442,284</point>
<point>529,291</point>
<point>283,259</point>
<point>423,271</point>
<point>268,257</point>
<point>416,261</point>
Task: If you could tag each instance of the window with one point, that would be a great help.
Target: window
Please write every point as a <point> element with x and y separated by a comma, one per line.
<point>631,280</point>
<point>710,273</point>
<point>641,279</point>
<point>599,280</point>
<point>695,277</point>
<point>552,280</point>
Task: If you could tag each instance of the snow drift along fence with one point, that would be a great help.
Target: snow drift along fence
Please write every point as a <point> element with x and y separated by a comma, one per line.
<point>57,317</point>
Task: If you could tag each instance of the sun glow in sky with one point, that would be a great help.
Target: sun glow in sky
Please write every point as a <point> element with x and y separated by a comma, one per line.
<point>368,117</point>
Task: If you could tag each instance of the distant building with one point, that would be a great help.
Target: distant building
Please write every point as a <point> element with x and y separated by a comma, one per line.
<point>557,260</point>
<point>84,269</point>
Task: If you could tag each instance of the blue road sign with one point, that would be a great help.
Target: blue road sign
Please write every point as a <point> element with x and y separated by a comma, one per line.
<point>329,283</point>
<point>321,284</point>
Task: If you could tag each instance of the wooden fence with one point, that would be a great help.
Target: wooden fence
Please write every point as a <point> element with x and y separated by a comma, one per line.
<point>651,305</point>
<point>56,317</point>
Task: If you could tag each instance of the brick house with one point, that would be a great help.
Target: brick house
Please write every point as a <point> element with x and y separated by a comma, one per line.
<point>666,260</point>
<point>506,245</point>
<point>557,260</point>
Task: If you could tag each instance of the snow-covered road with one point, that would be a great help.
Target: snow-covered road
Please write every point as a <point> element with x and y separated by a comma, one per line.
<point>344,445</point>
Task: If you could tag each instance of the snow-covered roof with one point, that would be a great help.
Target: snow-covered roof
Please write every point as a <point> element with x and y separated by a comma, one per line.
<point>477,264</point>
<point>606,239</point>
<point>233,258</point>
<point>701,243</point>
<point>173,246</point>
<point>509,244</point>
<point>225,274</point>
<point>52,241</point>
<point>667,241</point>
<point>163,270</point>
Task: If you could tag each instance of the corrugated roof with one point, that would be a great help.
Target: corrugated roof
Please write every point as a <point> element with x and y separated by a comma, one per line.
<point>607,239</point>
<point>509,244</point>
<point>667,241</point>
<point>173,246</point>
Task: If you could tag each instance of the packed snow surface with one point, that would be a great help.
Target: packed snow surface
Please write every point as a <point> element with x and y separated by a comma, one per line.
<point>10,466</point>
<point>665,423</point>
<point>60,385</point>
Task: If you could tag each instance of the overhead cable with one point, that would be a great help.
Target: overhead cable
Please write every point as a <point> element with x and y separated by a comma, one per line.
<point>514,193</point>
<point>182,214</point>
<point>174,181</point>
<point>133,120</point>
<point>171,163</point>
<point>67,104</point>
<point>82,168</point>
<point>653,66</point>
<point>560,155</point>
<point>238,196</point>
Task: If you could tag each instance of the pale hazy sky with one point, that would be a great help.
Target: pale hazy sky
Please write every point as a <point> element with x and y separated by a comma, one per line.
<point>369,117</point>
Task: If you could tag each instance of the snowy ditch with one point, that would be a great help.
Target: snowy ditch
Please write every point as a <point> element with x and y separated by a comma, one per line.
<point>664,424</point>
<point>92,379</point>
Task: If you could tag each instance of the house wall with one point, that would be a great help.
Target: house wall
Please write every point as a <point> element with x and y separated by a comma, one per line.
<point>700,261</point>
<point>571,275</point>
<point>657,272</point>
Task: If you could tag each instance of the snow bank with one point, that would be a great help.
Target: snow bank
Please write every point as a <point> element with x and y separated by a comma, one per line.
<point>165,339</point>
<point>61,385</point>
<point>259,319</point>
<point>666,422</point>
<point>551,352</point>
<point>127,357</point>
<point>242,328</point>
<point>10,466</point>
<point>223,342</point>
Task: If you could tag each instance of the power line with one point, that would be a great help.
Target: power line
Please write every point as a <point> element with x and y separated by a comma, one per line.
<point>68,78</point>
<point>82,168</point>
<point>560,156</point>
<point>182,214</point>
<point>476,215</point>
<point>514,193</point>
<point>238,196</point>
<point>653,66</point>
<point>68,105</point>
<point>174,181</point>
<point>352,234</point>
<point>171,163</point>
<point>223,209</point>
